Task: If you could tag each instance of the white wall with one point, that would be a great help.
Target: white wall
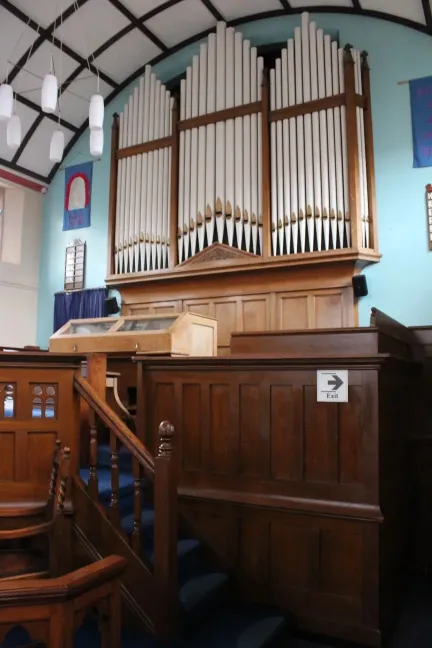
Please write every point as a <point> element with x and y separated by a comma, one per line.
<point>19,266</point>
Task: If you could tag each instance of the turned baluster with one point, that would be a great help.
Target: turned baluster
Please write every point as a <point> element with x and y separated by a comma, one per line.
<point>137,507</point>
<point>114,504</point>
<point>93,484</point>
<point>54,470</point>
<point>166,528</point>
<point>64,475</point>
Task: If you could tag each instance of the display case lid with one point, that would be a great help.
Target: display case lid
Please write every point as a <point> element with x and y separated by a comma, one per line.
<point>95,326</point>
<point>146,323</point>
<point>123,324</point>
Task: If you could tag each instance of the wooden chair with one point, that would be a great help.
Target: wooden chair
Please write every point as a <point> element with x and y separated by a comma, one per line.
<point>16,530</point>
<point>50,611</point>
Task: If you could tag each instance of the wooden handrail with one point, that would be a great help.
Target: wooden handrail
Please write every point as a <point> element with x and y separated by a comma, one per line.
<point>116,425</point>
<point>57,590</point>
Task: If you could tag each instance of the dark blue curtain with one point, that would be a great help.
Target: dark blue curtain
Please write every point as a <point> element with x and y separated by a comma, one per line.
<point>81,304</point>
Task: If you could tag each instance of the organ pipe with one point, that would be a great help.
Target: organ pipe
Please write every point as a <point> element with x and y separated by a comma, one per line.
<point>220,176</point>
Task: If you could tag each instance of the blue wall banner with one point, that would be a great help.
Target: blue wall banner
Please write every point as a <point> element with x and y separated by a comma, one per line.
<point>421,118</point>
<point>77,199</point>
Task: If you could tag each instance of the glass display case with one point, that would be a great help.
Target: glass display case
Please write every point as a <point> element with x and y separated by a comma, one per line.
<point>183,334</point>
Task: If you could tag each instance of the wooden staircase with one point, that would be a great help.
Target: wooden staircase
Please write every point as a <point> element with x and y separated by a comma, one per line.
<point>126,503</point>
<point>123,501</point>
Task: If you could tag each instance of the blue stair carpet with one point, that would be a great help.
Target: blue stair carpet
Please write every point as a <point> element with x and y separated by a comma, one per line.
<point>209,618</point>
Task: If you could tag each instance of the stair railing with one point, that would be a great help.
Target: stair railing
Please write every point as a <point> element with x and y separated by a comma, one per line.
<point>59,603</point>
<point>161,473</point>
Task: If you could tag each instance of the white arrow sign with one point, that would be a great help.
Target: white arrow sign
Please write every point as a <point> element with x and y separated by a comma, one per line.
<point>332,386</point>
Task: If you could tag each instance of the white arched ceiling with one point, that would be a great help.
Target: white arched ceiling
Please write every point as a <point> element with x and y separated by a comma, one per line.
<point>120,37</point>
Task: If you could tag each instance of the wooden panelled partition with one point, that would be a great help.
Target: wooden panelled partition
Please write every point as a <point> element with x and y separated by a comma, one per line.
<point>37,406</point>
<point>252,299</point>
<point>304,501</point>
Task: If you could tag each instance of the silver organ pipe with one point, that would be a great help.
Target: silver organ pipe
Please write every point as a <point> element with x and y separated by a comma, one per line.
<point>229,133</point>
<point>218,164</point>
<point>228,150</point>
<point>143,179</point>
<point>201,206</point>
<point>309,170</point>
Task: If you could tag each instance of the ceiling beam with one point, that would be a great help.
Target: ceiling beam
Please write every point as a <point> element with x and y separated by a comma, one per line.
<point>213,10</point>
<point>25,172</point>
<point>55,118</point>
<point>427,13</point>
<point>27,137</point>
<point>47,35</point>
<point>138,24</point>
<point>157,10</point>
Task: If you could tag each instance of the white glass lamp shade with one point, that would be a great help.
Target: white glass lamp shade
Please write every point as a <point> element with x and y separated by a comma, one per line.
<point>13,132</point>
<point>96,112</point>
<point>6,102</point>
<point>57,146</point>
<point>49,93</point>
<point>96,142</point>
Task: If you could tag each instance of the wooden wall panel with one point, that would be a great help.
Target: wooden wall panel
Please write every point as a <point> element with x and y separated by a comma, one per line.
<point>265,432</point>
<point>43,408</point>
<point>308,298</point>
<point>301,499</point>
<point>314,567</point>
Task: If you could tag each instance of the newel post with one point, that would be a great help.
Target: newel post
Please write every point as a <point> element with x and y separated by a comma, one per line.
<point>166,529</point>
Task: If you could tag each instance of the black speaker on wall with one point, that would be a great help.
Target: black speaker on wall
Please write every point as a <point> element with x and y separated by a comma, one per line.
<point>359,284</point>
<point>111,307</point>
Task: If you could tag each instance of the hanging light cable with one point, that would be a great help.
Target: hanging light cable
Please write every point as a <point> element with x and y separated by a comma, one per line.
<point>50,82</point>
<point>6,91</point>
<point>57,138</point>
<point>13,130</point>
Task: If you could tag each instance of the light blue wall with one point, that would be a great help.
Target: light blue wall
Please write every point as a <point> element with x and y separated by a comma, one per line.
<point>400,284</point>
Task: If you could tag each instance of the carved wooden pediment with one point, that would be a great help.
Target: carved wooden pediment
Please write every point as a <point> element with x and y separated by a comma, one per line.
<point>219,252</point>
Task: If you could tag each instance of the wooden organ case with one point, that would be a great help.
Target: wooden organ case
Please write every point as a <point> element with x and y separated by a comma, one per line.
<point>250,197</point>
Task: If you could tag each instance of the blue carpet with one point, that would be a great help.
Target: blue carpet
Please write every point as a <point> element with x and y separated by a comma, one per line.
<point>209,618</point>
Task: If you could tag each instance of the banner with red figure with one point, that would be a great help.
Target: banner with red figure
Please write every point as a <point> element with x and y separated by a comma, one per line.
<point>77,202</point>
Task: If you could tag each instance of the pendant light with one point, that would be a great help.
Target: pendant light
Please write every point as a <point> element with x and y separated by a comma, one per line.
<point>96,142</point>
<point>96,112</point>
<point>6,102</point>
<point>49,91</point>
<point>57,146</point>
<point>13,132</point>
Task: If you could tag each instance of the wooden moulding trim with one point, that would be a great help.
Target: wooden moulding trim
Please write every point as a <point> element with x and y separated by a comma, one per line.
<point>64,588</point>
<point>315,106</point>
<point>220,115</point>
<point>230,266</point>
<point>116,425</point>
<point>267,362</point>
<point>145,147</point>
<point>127,597</point>
<point>352,510</point>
